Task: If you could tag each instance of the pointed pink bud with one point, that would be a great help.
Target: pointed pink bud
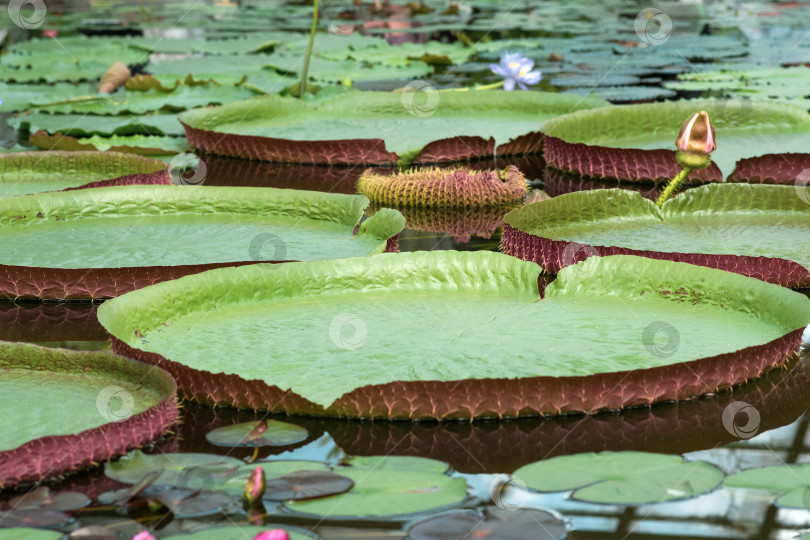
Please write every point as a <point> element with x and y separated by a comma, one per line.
<point>143,535</point>
<point>275,534</point>
<point>254,488</point>
<point>697,135</point>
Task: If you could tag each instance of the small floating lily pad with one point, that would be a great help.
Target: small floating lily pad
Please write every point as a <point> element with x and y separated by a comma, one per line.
<point>357,127</point>
<point>74,409</point>
<point>303,485</point>
<point>272,469</point>
<point>261,433</point>
<point>492,523</point>
<point>33,172</point>
<point>131,236</point>
<point>302,326</point>
<point>24,533</point>
<point>790,482</point>
<point>187,470</point>
<point>761,231</point>
<point>627,478</point>
<point>386,494</point>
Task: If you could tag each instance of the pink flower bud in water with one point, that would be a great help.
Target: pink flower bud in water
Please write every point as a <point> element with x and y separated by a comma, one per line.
<point>275,534</point>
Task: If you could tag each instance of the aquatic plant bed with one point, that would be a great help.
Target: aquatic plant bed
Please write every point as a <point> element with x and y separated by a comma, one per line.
<point>347,129</point>
<point>451,335</point>
<point>75,409</point>
<point>99,243</point>
<point>761,231</point>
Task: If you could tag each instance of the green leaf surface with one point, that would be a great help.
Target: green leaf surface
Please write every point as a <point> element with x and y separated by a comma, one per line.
<point>760,127</point>
<point>22,533</point>
<point>384,115</point>
<point>272,469</point>
<point>174,225</point>
<point>307,323</point>
<point>734,219</point>
<point>35,172</point>
<point>270,433</point>
<point>59,392</point>
<point>86,125</point>
<point>627,478</point>
<point>386,493</point>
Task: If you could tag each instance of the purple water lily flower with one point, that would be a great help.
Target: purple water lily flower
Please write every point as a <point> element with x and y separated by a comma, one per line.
<point>516,69</point>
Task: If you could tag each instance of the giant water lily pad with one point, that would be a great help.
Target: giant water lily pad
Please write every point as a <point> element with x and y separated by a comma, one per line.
<point>33,172</point>
<point>755,230</point>
<point>98,243</point>
<point>596,142</point>
<point>74,409</point>
<point>622,477</point>
<point>288,337</point>
<point>380,127</point>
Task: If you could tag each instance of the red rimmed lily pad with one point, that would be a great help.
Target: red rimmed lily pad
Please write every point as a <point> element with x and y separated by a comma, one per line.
<point>713,341</point>
<point>761,231</point>
<point>380,127</point>
<point>99,243</point>
<point>304,485</point>
<point>25,173</point>
<point>637,142</point>
<point>75,409</point>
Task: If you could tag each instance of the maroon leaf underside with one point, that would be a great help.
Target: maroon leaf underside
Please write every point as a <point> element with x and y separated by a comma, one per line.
<point>549,254</point>
<point>487,398</point>
<point>354,151</point>
<point>780,397</point>
<point>38,283</point>
<point>621,163</point>
<point>771,169</point>
<point>50,457</point>
<point>50,322</point>
<point>527,144</point>
<point>559,183</point>
<point>160,178</point>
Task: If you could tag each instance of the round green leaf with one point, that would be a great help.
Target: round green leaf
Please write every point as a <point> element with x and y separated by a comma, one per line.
<point>628,478</point>
<point>260,433</point>
<point>191,471</point>
<point>303,485</point>
<point>23,533</point>
<point>272,469</point>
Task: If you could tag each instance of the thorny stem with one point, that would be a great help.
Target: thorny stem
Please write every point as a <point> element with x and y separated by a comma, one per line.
<point>303,87</point>
<point>672,186</point>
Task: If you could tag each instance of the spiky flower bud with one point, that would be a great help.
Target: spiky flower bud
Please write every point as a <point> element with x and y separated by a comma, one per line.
<point>444,187</point>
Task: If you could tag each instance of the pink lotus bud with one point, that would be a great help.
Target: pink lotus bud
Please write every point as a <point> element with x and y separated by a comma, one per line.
<point>254,488</point>
<point>143,535</point>
<point>697,135</point>
<point>275,534</point>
